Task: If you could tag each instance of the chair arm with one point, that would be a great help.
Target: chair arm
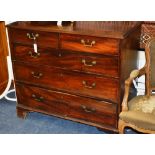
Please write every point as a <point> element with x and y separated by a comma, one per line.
<point>134,74</point>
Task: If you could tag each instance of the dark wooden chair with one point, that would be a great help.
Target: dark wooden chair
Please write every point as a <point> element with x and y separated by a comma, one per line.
<point>139,112</point>
<point>3,60</point>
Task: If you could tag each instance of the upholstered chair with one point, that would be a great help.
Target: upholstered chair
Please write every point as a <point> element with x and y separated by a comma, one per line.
<point>139,112</point>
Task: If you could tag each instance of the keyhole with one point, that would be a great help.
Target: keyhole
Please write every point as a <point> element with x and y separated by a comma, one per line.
<point>59,54</point>
<point>61,75</point>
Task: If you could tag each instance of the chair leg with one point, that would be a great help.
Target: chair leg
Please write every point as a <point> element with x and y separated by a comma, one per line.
<point>121,126</point>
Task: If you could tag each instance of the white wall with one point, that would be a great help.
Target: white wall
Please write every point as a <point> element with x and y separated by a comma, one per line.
<point>141,80</point>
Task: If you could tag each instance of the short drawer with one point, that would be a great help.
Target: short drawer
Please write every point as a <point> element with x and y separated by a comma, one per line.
<point>97,64</point>
<point>43,39</point>
<point>67,105</point>
<point>74,82</point>
<point>90,44</point>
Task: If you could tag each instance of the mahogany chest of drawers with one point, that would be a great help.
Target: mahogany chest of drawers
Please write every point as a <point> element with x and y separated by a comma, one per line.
<point>78,70</point>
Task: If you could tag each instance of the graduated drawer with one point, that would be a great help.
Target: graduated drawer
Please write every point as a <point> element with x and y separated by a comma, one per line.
<point>90,44</point>
<point>66,105</point>
<point>43,39</point>
<point>92,63</point>
<point>74,82</point>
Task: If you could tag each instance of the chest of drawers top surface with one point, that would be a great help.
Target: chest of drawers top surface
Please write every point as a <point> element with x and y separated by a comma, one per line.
<point>111,29</point>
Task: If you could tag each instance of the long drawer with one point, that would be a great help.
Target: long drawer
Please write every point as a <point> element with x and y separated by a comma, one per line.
<point>67,105</point>
<point>74,82</point>
<point>90,44</point>
<point>92,63</point>
<point>43,39</point>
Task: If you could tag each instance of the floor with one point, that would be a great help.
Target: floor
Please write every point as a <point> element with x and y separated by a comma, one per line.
<point>37,123</point>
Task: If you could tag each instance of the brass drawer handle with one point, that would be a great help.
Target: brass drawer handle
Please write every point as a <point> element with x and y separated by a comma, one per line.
<point>93,63</point>
<point>88,110</point>
<point>38,99</point>
<point>37,75</point>
<point>33,54</point>
<point>87,43</point>
<point>93,85</point>
<point>32,36</point>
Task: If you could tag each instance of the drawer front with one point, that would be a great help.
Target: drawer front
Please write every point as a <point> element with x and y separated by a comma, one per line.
<point>83,84</point>
<point>69,60</point>
<point>43,39</point>
<point>90,44</point>
<point>67,105</point>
